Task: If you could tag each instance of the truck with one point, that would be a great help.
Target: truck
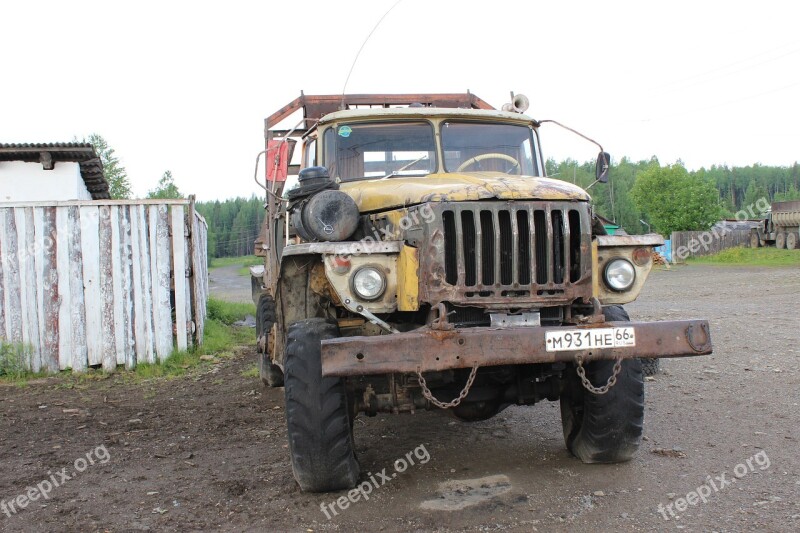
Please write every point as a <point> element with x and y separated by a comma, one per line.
<point>423,260</point>
<point>780,228</point>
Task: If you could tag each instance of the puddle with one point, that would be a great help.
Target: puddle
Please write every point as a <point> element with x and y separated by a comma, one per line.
<point>455,494</point>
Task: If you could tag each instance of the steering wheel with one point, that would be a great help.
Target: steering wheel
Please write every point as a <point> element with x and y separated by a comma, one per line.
<point>494,155</point>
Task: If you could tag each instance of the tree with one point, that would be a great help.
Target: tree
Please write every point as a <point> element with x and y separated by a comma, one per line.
<point>752,195</point>
<point>674,200</point>
<point>166,189</point>
<point>119,186</point>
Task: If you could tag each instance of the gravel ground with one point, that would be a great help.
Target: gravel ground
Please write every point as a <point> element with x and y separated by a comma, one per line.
<point>208,451</point>
<point>226,284</point>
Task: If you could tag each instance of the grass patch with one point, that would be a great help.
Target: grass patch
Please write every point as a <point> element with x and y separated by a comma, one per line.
<point>251,372</point>
<point>244,271</point>
<point>14,359</point>
<point>750,257</point>
<point>228,312</point>
<point>244,261</point>
<point>219,340</point>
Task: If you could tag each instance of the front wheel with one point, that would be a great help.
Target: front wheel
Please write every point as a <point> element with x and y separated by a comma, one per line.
<point>320,434</point>
<point>270,373</point>
<point>604,428</point>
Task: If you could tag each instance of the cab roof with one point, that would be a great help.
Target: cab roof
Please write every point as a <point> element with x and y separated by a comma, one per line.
<point>424,112</point>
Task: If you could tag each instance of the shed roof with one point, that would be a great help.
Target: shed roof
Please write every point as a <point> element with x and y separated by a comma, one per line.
<point>50,153</point>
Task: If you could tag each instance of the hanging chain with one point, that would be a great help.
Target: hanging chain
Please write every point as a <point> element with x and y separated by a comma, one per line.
<point>612,380</point>
<point>463,394</point>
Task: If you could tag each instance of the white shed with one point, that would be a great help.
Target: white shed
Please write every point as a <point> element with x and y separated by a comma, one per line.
<point>53,172</point>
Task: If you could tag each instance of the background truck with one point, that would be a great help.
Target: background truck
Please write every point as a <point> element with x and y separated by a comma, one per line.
<point>423,260</point>
<point>781,227</point>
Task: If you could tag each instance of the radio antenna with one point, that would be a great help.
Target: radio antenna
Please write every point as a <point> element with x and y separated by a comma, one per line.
<point>347,79</point>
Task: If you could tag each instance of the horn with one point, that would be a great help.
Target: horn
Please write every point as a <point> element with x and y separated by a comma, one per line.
<point>518,104</point>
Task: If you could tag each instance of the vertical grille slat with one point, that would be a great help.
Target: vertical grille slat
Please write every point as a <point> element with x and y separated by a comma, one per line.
<point>471,250</point>
<point>505,259</point>
<point>557,225</point>
<point>513,249</point>
<point>488,240</point>
<point>523,227</point>
<point>540,238</point>
<point>548,221</point>
<point>566,245</point>
<point>450,248</point>
<point>574,245</point>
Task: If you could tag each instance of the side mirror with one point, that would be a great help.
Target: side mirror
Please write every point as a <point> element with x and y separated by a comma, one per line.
<point>279,154</point>
<point>602,166</point>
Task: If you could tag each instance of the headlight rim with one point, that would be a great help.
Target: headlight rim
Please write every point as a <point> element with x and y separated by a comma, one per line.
<point>608,265</point>
<point>381,274</point>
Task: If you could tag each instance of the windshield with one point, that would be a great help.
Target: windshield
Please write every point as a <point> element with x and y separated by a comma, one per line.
<point>357,151</point>
<point>473,146</point>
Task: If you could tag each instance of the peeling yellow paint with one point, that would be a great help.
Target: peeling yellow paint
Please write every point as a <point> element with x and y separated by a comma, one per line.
<point>408,279</point>
<point>595,276</point>
<point>380,194</point>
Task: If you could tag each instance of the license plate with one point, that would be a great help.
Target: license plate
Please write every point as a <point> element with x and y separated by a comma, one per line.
<point>587,339</point>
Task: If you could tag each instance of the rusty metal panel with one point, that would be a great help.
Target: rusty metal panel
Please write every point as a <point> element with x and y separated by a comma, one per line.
<point>430,350</point>
<point>316,106</point>
<point>77,281</point>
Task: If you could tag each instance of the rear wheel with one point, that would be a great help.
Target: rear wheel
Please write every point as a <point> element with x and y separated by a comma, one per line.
<point>791,241</point>
<point>755,240</point>
<point>780,240</point>
<point>271,374</point>
<point>320,433</point>
<point>604,428</point>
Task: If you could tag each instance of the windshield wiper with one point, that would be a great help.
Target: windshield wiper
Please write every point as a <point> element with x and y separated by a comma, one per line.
<point>399,170</point>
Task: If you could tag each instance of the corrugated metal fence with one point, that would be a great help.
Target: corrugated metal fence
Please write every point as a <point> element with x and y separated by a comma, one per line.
<point>687,244</point>
<point>106,283</point>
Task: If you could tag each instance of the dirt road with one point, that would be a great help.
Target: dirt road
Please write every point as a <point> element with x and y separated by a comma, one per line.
<point>209,451</point>
<point>226,284</point>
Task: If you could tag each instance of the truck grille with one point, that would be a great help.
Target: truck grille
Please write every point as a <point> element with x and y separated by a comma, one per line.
<point>509,250</point>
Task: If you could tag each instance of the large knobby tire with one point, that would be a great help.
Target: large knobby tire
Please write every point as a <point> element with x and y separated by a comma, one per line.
<point>780,240</point>
<point>604,428</point>
<point>320,434</point>
<point>791,241</point>
<point>271,374</point>
<point>651,367</point>
<point>755,240</point>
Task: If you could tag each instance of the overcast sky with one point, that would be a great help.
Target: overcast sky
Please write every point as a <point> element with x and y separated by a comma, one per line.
<point>185,86</point>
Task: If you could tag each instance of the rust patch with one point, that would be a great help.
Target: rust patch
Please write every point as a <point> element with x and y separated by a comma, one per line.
<point>442,335</point>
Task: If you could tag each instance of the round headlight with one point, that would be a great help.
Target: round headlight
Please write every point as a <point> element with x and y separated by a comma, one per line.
<point>369,283</point>
<point>620,274</point>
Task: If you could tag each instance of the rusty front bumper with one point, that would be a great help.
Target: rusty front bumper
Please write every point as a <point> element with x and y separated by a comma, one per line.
<point>430,350</point>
